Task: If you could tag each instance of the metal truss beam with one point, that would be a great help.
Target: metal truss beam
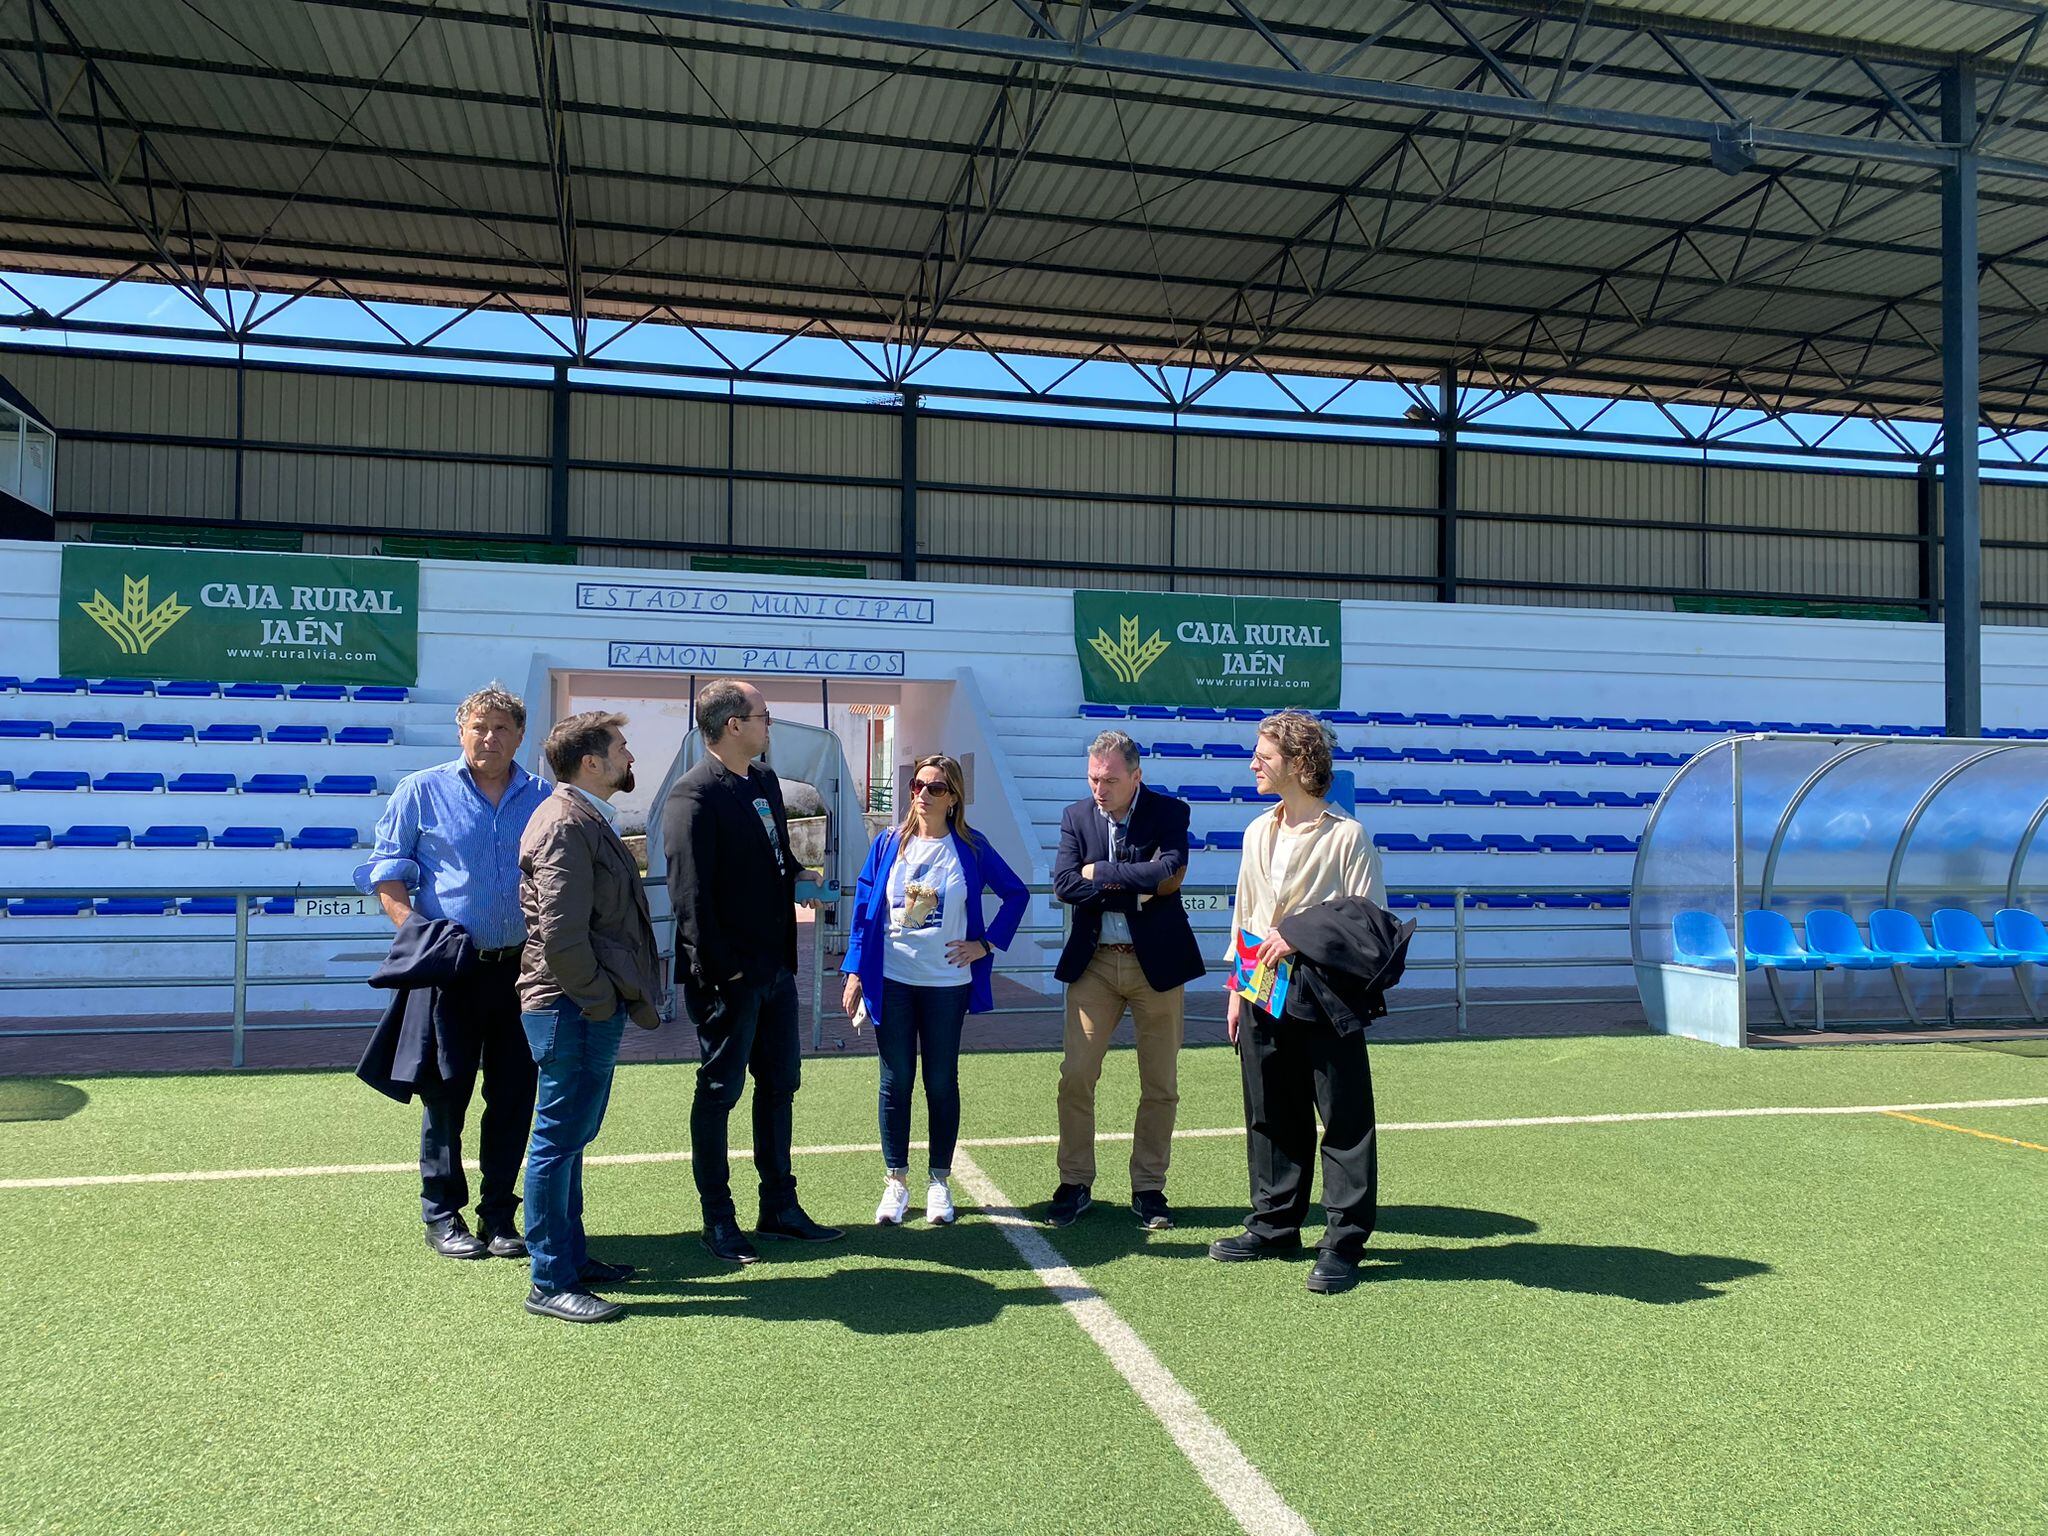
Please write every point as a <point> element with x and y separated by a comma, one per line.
<point>547,71</point>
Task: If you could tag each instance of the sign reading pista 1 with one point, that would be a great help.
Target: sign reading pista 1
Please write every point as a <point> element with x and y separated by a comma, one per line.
<point>237,617</point>
<point>1225,652</point>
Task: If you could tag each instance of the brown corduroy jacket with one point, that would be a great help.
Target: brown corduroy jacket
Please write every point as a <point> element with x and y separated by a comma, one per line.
<point>589,937</point>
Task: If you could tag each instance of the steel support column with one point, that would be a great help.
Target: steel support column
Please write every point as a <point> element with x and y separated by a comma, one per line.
<point>1927,523</point>
<point>908,464</point>
<point>1961,521</point>
<point>1447,486</point>
<point>562,401</point>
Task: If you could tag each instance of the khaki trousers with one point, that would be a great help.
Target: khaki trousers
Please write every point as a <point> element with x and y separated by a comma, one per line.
<point>1095,1007</point>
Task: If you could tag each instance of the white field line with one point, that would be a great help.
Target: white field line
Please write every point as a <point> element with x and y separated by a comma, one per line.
<point>1238,1485</point>
<point>620,1159</point>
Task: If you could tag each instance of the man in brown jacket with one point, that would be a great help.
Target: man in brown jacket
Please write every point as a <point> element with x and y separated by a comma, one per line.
<point>589,966</point>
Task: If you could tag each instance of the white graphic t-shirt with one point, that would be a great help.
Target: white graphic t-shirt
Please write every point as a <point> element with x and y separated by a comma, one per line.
<point>927,911</point>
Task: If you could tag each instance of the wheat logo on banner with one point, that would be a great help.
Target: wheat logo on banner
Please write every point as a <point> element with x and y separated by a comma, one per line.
<point>135,626</point>
<point>1126,657</point>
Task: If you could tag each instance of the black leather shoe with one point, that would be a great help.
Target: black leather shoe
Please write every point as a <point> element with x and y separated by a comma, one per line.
<point>450,1238</point>
<point>1151,1210</point>
<point>1248,1245</point>
<point>794,1223</point>
<point>726,1241</point>
<point>597,1272</point>
<point>505,1242</point>
<point>1332,1273</point>
<point>572,1306</point>
<point>1068,1202</point>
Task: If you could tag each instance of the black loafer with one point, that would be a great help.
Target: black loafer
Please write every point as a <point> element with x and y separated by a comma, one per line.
<point>505,1243</point>
<point>1332,1273</point>
<point>572,1306</point>
<point>1249,1245</point>
<point>1068,1202</point>
<point>597,1272</point>
<point>451,1239</point>
<point>726,1241</point>
<point>1150,1207</point>
<point>793,1223</point>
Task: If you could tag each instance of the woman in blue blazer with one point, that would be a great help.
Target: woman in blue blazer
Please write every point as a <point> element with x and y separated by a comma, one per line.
<point>919,959</point>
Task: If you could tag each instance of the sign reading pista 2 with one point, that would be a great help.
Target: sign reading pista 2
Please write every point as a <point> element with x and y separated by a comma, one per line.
<point>237,617</point>
<point>1226,652</point>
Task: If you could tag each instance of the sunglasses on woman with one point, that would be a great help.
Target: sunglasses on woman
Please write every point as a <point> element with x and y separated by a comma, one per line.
<point>930,787</point>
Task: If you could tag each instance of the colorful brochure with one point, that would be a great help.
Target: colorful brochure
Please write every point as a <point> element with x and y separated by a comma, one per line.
<point>1265,985</point>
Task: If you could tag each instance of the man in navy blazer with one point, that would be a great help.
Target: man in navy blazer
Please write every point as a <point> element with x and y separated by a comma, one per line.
<point>1123,853</point>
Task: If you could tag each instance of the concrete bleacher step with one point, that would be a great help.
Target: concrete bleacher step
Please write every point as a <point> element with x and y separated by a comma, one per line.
<point>240,759</point>
<point>24,871</point>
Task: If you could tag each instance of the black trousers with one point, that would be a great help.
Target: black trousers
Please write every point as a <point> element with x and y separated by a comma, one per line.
<point>486,1001</point>
<point>742,1029</point>
<point>1295,1070</point>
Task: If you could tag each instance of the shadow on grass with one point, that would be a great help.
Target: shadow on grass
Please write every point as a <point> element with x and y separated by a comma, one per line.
<point>39,1098</point>
<point>1106,1232</point>
<point>875,1281</point>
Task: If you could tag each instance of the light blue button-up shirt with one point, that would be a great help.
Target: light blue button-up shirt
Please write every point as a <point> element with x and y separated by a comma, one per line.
<point>456,852</point>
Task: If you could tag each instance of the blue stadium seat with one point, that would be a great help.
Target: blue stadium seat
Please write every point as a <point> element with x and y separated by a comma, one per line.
<point>171,837</point>
<point>1407,794</point>
<point>1777,728</point>
<point>1569,799</point>
<point>1426,717</point>
<point>63,779</point>
<point>1662,759</point>
<point>1427,755</point>
<point>230,733</point>
<point>274,784</point>
<point>1226,839</point>
<point>49,906</point>
<point>1201,713</point>
<point>1196,842</point>
<point>1566,722</point>
<point>1569,901</point>
<point>1558,842</point>
<point>1102,712</point>
<point>318,692</point>
<point>1697,725</point>
<point>1483,722</point>
<point>88,730</point>
<point>365,736</point>
<point>202,784</point>
<point>10,684</point>
<point>1372,797</point>
<point>1443,899</point>
<point>1249,794</point>
<point>1527,798</point>
<point>1611,723</point>
<point>185,688</point>
<point>361,784</point>
<point>1899,935</point>
<point>208,906</point>
<point>1772,943</point>
<point>1833,936</point>
<point>1521,755</point>
<point>1194,794</point>
<point>1399,842</point>
<point>325,837</point>
<point>1701,939</point>
<point>132,906</point>
<point>1388,717</point>
<point>1611,759</point>
<point>24,730</point>
<point>153,732</point>
<point>381,693</point>
<point>253,691</point>
<point>1159,748</point>
<point>1507,842</point>
<point>1464,797</point>
<point>91,837</point>
<point>120,687</point>
<point>2021,932</point>
<point>274,906</point>
<point>1529,722</point>
<point>298,735</point>
<point>1245,716</point>
<point>16,835</point>
<point>1398,901</point>
<point>1507,901</point>
<point>6,778</point>
<point>1963,933</point>
<point>1573,759</point>
<point>1232,751</point>
<point>54,685</point>
<point>1136,712</point>
<point>1376,755</point>
<point>1607,898</point>
<point>129,784</point>
<point>249,837</point>
<point>1473,755</point>
<point>1613,799</point>
<point>1609,842</point>
<point>1661,726</point>
<point>1346,717</point>
<point>1455,842</point>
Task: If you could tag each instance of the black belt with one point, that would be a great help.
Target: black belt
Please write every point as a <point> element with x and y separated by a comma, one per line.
<point>1119,949</point>
<point>500,956</point>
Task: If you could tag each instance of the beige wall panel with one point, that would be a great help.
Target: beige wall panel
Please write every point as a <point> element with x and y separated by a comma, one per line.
<point>472,500</point>
<point>618,504</point>
<point>88,394</point>
<point>1539,552</point>
<point>1551,597</point>
<point>1823,567</point>
<point>2016,576</point>
<point>1098,461</point>
<point>807,518</point>
<point>792,440</point>
<point>137,480</point>
<point>427,415</point>
<point>1253,468</point>
<point>1813,499</point>
<point>639,429</point>
<point>636,559</point>
<point>1038,528</point>
<point>1577,487</point>
<point>1338,542</point>
<point>1025,576</point>
<point>1281,586</point>
<point>2015,511</point>
<point>344,544</point>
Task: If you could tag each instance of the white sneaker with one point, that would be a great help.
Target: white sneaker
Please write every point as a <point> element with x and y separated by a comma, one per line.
<point>938,1203</point>
<point>895,1204</point>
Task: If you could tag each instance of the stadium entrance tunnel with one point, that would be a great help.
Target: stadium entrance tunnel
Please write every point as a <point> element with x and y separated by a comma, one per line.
<point>1819,880</point>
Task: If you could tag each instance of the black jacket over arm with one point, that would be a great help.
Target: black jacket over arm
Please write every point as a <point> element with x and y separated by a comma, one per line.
<point>1158,837</point>
<point>1348,953</point>
<point>422,1040</point>
<point>735,912</point>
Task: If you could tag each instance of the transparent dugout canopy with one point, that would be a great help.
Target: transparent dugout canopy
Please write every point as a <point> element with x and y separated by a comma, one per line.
<point>1792,824</point>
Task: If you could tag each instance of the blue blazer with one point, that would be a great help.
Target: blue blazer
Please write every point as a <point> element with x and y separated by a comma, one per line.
<point>867,946</point>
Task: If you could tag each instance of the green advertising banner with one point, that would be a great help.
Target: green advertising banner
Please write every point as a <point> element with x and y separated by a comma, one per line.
<point>1226,652</point>
<point>237,617</point>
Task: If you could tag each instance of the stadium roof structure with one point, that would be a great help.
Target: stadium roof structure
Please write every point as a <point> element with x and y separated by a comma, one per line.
<point>1726,202</point>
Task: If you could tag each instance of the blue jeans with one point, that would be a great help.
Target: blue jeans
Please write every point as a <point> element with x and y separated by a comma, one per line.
<point>914,1018</point>
<point>576,1057</point>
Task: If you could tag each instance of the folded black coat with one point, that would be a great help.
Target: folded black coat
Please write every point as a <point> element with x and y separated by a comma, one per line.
<point>421,1040</point>
<point>1348,953</point>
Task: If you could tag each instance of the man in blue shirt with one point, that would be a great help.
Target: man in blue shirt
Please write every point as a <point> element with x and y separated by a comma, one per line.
<point>448,847</point>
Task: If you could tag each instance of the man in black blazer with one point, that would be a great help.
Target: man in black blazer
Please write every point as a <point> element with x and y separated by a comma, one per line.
<point>1123,854</point>
<point>732,882</point>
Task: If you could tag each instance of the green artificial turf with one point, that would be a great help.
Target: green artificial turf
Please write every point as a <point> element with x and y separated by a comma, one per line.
<point>1801,1324</point>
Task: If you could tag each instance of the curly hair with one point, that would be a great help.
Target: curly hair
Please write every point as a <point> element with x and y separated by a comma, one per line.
<point>1306,743</point>
<point>492,696</point>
